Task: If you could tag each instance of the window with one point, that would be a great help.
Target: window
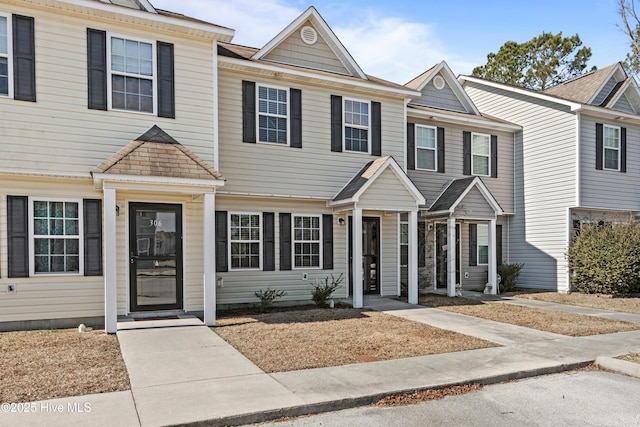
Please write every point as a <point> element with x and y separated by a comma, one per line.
<point>245,240</point>
<point>5,54</point>
<point>56,230</point>
<point>426,148</point>
<point>483,244</point>
<point>356,126</point>
<point>306,241</point>
<point>480,154</point>
<point>272,115</point>
<point>404,244</point>
<point>132,77</point>
<point>611,145</point>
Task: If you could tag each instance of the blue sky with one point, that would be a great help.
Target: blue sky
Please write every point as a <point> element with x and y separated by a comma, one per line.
<point>397,40</point>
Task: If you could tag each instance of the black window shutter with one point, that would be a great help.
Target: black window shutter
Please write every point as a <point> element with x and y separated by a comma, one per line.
<point>24,59</point>
<point>376,129</point>
<point>18,235</point>
<point>97,69</point>
<point>422,243</point>
<point>295,98</point>
<point>498,244</point>
<point>494,156</point>
<point>268,242</point>
<point>623,149</point>
<point>441,150</point>
<point>92,210</point>
<point>599,147</point>
<point>248,111</point>
<point>327,242</point>
<point>466,153</point>
<point>166,81</point>
<point>336,123</point>
<point>411,146</point>
<point>285,241</point>
<point>473,244</point>
<point>222,262</point>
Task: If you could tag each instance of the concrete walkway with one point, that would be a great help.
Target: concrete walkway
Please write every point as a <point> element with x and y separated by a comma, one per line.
<point>183,373</point>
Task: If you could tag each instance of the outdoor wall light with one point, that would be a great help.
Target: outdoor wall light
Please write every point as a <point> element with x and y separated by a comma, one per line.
<point>117,210</point>
<point>340,221</point>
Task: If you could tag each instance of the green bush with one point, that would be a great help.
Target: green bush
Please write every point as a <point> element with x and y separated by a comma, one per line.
<point>268,296</point>
<point>509,274</point>
<point>605,259</point>
<point>322,292</point>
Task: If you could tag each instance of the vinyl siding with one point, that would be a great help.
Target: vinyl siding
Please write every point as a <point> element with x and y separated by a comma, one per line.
<point>624,105</point>
<point>606,188</point>
<point>474,205</point>
<point>444,99</point>
<point>545,182</point>
<point>314,170</point>
<point>604,92</point>
<point>387,193</point>
<point>431,183</point>
<point>71,139</point>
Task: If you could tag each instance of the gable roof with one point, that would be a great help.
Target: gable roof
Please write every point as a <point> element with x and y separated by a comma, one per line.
<point>312,16</point>
<point>453,194</point>
<point>585,88</point>
<point>157,154</point>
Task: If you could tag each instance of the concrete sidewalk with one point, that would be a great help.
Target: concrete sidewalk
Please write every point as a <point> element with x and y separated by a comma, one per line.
<point>183,373</point>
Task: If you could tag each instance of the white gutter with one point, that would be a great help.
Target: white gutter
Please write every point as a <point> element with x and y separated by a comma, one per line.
<point>488,123</point>
<point>608,113</point>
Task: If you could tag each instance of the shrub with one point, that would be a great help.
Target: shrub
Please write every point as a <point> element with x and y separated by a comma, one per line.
<point>605,258</point>
<point>509,274</point>
<point>268,296</point>
<point>322,292</point>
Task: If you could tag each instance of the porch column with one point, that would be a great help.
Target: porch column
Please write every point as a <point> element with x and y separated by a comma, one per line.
<point>209,258</point>
<point>110,264</point>
<point>493,267</point>
<point>412,287</point>
<point>451,256</point>
<point>356,262</point>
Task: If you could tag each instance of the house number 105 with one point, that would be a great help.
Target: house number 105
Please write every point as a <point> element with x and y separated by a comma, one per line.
<point>155,223</point>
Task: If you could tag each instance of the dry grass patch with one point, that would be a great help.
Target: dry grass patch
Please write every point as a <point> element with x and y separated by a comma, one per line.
<point>603,302</point>
<point>46,364</point>
<point>634,357</point>
<point>293,340</point>
<point>425,395</point>
<point>576,325</point>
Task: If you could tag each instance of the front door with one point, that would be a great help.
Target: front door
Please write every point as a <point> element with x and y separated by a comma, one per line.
<point>370,255</point>
<point>155,258</point>
<point>441,255</point>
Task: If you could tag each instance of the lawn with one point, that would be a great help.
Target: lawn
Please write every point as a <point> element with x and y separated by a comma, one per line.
<point>46,364</point>
<point>570,324</point>
<point>603,302</point>
<point>316,338</point>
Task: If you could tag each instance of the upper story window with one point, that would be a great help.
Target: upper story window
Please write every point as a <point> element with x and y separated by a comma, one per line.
<point>273,113</point>
<point>17,57</point>
<point>426,148</point>
<point>306,241</point>
<point>132,77</point>
<point>245,240</point>
<point>483,244</point>
<point>480,154</point>
<point>611,146</point>
<point>5,54</point>
<point>356,126</point>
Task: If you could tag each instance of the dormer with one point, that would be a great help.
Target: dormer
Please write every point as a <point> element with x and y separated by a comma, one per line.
<point>143,5</point>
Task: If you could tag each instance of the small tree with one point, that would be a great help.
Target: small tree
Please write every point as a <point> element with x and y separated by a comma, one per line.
<point>268,296</point>
<point>322,292</point>
<point>509,274</point>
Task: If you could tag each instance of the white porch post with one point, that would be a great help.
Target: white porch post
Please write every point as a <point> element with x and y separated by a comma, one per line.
<point>209,258</point>
<point>110,264</point>
<point>356,262</point>
<point>412,288</point>
<point>493,268</point>
<point>451,256</point>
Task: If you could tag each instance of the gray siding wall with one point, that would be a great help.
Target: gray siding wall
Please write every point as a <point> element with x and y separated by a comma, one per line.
<point>314,170</point>
<point>474,205</point>
<point>545,182</point>
<point>606,188</point>
<point>606,90</point>
<point>624,105</point>
<point>444,98</point>
<point>431,183</point>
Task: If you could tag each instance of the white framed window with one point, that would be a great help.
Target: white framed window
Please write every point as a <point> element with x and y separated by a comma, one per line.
<point>6,56</point>
<point>55,228</point>
<point>245,241</point>
<point>426,148</point>
<point>483,244</point>
<point>273,115</point>
<point>132,77</point>
<point>611,147</point>
<point>307,245</point>
<point>404,243</point>
<point>356,126</point>
<point>480,154</point>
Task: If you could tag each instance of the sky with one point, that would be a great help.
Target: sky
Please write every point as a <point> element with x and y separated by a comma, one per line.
<point>399,39</point>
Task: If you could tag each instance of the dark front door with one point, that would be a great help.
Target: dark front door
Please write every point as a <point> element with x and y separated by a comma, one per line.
<point>441,255</point>
<point>370,255</point>
<point>155,258</point>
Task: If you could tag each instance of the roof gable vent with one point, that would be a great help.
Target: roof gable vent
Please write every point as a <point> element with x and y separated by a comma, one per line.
<point>309,34</point>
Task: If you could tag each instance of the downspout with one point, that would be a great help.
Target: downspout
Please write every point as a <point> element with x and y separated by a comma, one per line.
<point>216,118</point>
<point>578,196</point>
<point>404,132</point>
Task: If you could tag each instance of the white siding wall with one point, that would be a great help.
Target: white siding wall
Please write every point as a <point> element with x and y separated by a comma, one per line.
<point>545,182</point>
<point>474,205</point>
<point>387,193</point>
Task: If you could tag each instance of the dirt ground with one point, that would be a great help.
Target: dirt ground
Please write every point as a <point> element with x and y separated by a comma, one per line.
<point>46,364</point>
